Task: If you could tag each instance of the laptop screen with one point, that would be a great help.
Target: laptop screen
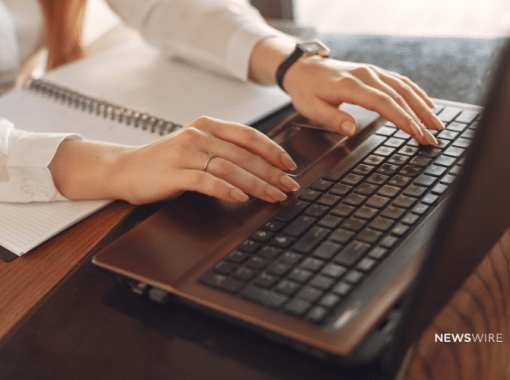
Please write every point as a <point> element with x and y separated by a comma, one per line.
<point>476,217</point>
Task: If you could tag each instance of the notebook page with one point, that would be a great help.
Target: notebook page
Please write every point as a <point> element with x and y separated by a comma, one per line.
<point>25,226</point>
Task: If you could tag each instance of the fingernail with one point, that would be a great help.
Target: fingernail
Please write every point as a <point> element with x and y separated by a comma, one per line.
<point>288,161</point>
<point>288,183</point>
<point>274,195</point>
<point>430,138</point>
<point>238,195</point>
<point>415,128</point>
<point>348,127</point>
<point>437,122</point>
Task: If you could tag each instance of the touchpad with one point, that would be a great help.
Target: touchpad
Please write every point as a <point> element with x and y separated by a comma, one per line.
<point>306,144</point>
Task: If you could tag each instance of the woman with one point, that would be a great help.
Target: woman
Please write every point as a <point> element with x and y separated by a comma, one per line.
<point>231,38</point>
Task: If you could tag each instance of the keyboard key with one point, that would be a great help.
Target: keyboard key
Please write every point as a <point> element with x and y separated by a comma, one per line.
<point>448,135</point>
<point>448,179</point>
<point>353,224</point>
<point>333,270</point>
<point>354,199</point>
<point>461,143</point>
<point>354,276</point>
<point>445,161</point>
<point>261,236</point>
<point>377,179</point>
<point>290,257</point>
<point>351,253</point>
<point>420,209</point>
<point>393,212</point>
<point>366,212</point>
<point>404,201</point>
<point>384,151</point>
<point>237,256</point>
<point>282,241</point>
<point>448,114</point>
<point>365,189</point>
<point>300,275</point>
<point>322,282</point>
<point>420,161</point>
<point>287,287</point>
<point>435,170</point>
<point>366,264</point>
<point>426,180</point>
<point>386,131</point>
<point>399,229</point>
<point>402,135</point>
<point>316,211</point>
<point>341,236</point>
<point>291,210</point>
<point>342,288</point>
<point>299,225</point>
<point>274,225</point>
<point>430,151</point>
<point>317,314</point>
<point>269,252</point>
<point>326,250</point>
<point>310,239</point>
<point>340,189</point>
<point>330,221</point>
<point>363,169</point>
<point>388,191</point>
<point>399,181</point>
<point>388,241</point>
<point>456,127</point>
<point>377,253</point>
<point>467,116</point>
<point>309,195</point>
<point>369,235</point>
<point>278,268</point>
<point>312,264</point>
<point>454,152</point>
<point>415,190</point>
<point>409,150</point>
<point>330,300</point>
<point>387,169</point>
<point>394,142</point>
<point>221,281</point>
<point>264,296</point>
<point>257,262</point>
<point>265,280</point>
<point>342,210</point>
<point>224,267</point>
<point>244,274</point>
<point>310,293</point>
<point>352,179</point>
<point>429,199</point>
<point>377,201</point>
<point>440,188</point>
<point>398,159</point>
<point>321,185</point>
<point>373,160</point>
<point>382,224</point>
<point>410,171</point>
<point>328,200</point>
<point>410,219</point>
<point>249,246</point>
<point>297,307</point>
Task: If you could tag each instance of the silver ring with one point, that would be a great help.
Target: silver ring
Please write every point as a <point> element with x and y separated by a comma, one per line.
<point>211,156</point>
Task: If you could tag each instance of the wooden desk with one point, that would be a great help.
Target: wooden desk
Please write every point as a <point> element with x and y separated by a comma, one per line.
<point>26,280</point>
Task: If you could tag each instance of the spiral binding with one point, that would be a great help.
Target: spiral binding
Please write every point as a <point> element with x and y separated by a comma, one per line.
<point>102,108</point>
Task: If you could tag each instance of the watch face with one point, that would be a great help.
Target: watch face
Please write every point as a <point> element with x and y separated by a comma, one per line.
<point>314,47</point>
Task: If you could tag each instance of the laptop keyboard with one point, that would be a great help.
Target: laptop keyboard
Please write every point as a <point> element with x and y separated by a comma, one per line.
<point>319,247</point>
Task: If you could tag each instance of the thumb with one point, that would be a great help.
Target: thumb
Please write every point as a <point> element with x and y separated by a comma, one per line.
<point>332,117</point>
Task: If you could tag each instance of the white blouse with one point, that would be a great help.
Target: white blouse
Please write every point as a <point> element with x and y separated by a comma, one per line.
<point>217,35</point>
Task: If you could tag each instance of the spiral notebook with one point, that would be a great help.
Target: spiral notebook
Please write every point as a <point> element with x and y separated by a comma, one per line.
<point>158,96</point>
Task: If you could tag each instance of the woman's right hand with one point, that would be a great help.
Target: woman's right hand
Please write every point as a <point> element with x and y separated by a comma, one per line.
<point>245,162</point>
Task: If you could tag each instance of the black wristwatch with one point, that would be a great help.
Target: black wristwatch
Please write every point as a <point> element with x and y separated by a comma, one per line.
<point>306,49</point>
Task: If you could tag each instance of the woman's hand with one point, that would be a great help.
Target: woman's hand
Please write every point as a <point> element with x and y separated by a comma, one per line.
<point>319,85</point>
<point>245,161</point>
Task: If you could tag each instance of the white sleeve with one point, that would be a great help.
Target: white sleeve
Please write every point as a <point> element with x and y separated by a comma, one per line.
<point>218,35</point>
<point>24,160</point>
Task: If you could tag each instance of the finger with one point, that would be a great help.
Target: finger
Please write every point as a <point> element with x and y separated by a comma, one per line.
<point>421,134</point>
<point>324,113</point>
<point>206,183</point>
<point>417,89</point>
<point>250,139</point>
<point>253,164</point>
<point>379,101</point>
<point>417,103</point>
<point>247,182</point>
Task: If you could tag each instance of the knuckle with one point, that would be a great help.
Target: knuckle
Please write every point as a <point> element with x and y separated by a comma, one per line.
<point>250,135</point>
<point>348,82</point>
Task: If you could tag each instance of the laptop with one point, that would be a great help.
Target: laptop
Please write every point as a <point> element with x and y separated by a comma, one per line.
<point>358,262</point>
